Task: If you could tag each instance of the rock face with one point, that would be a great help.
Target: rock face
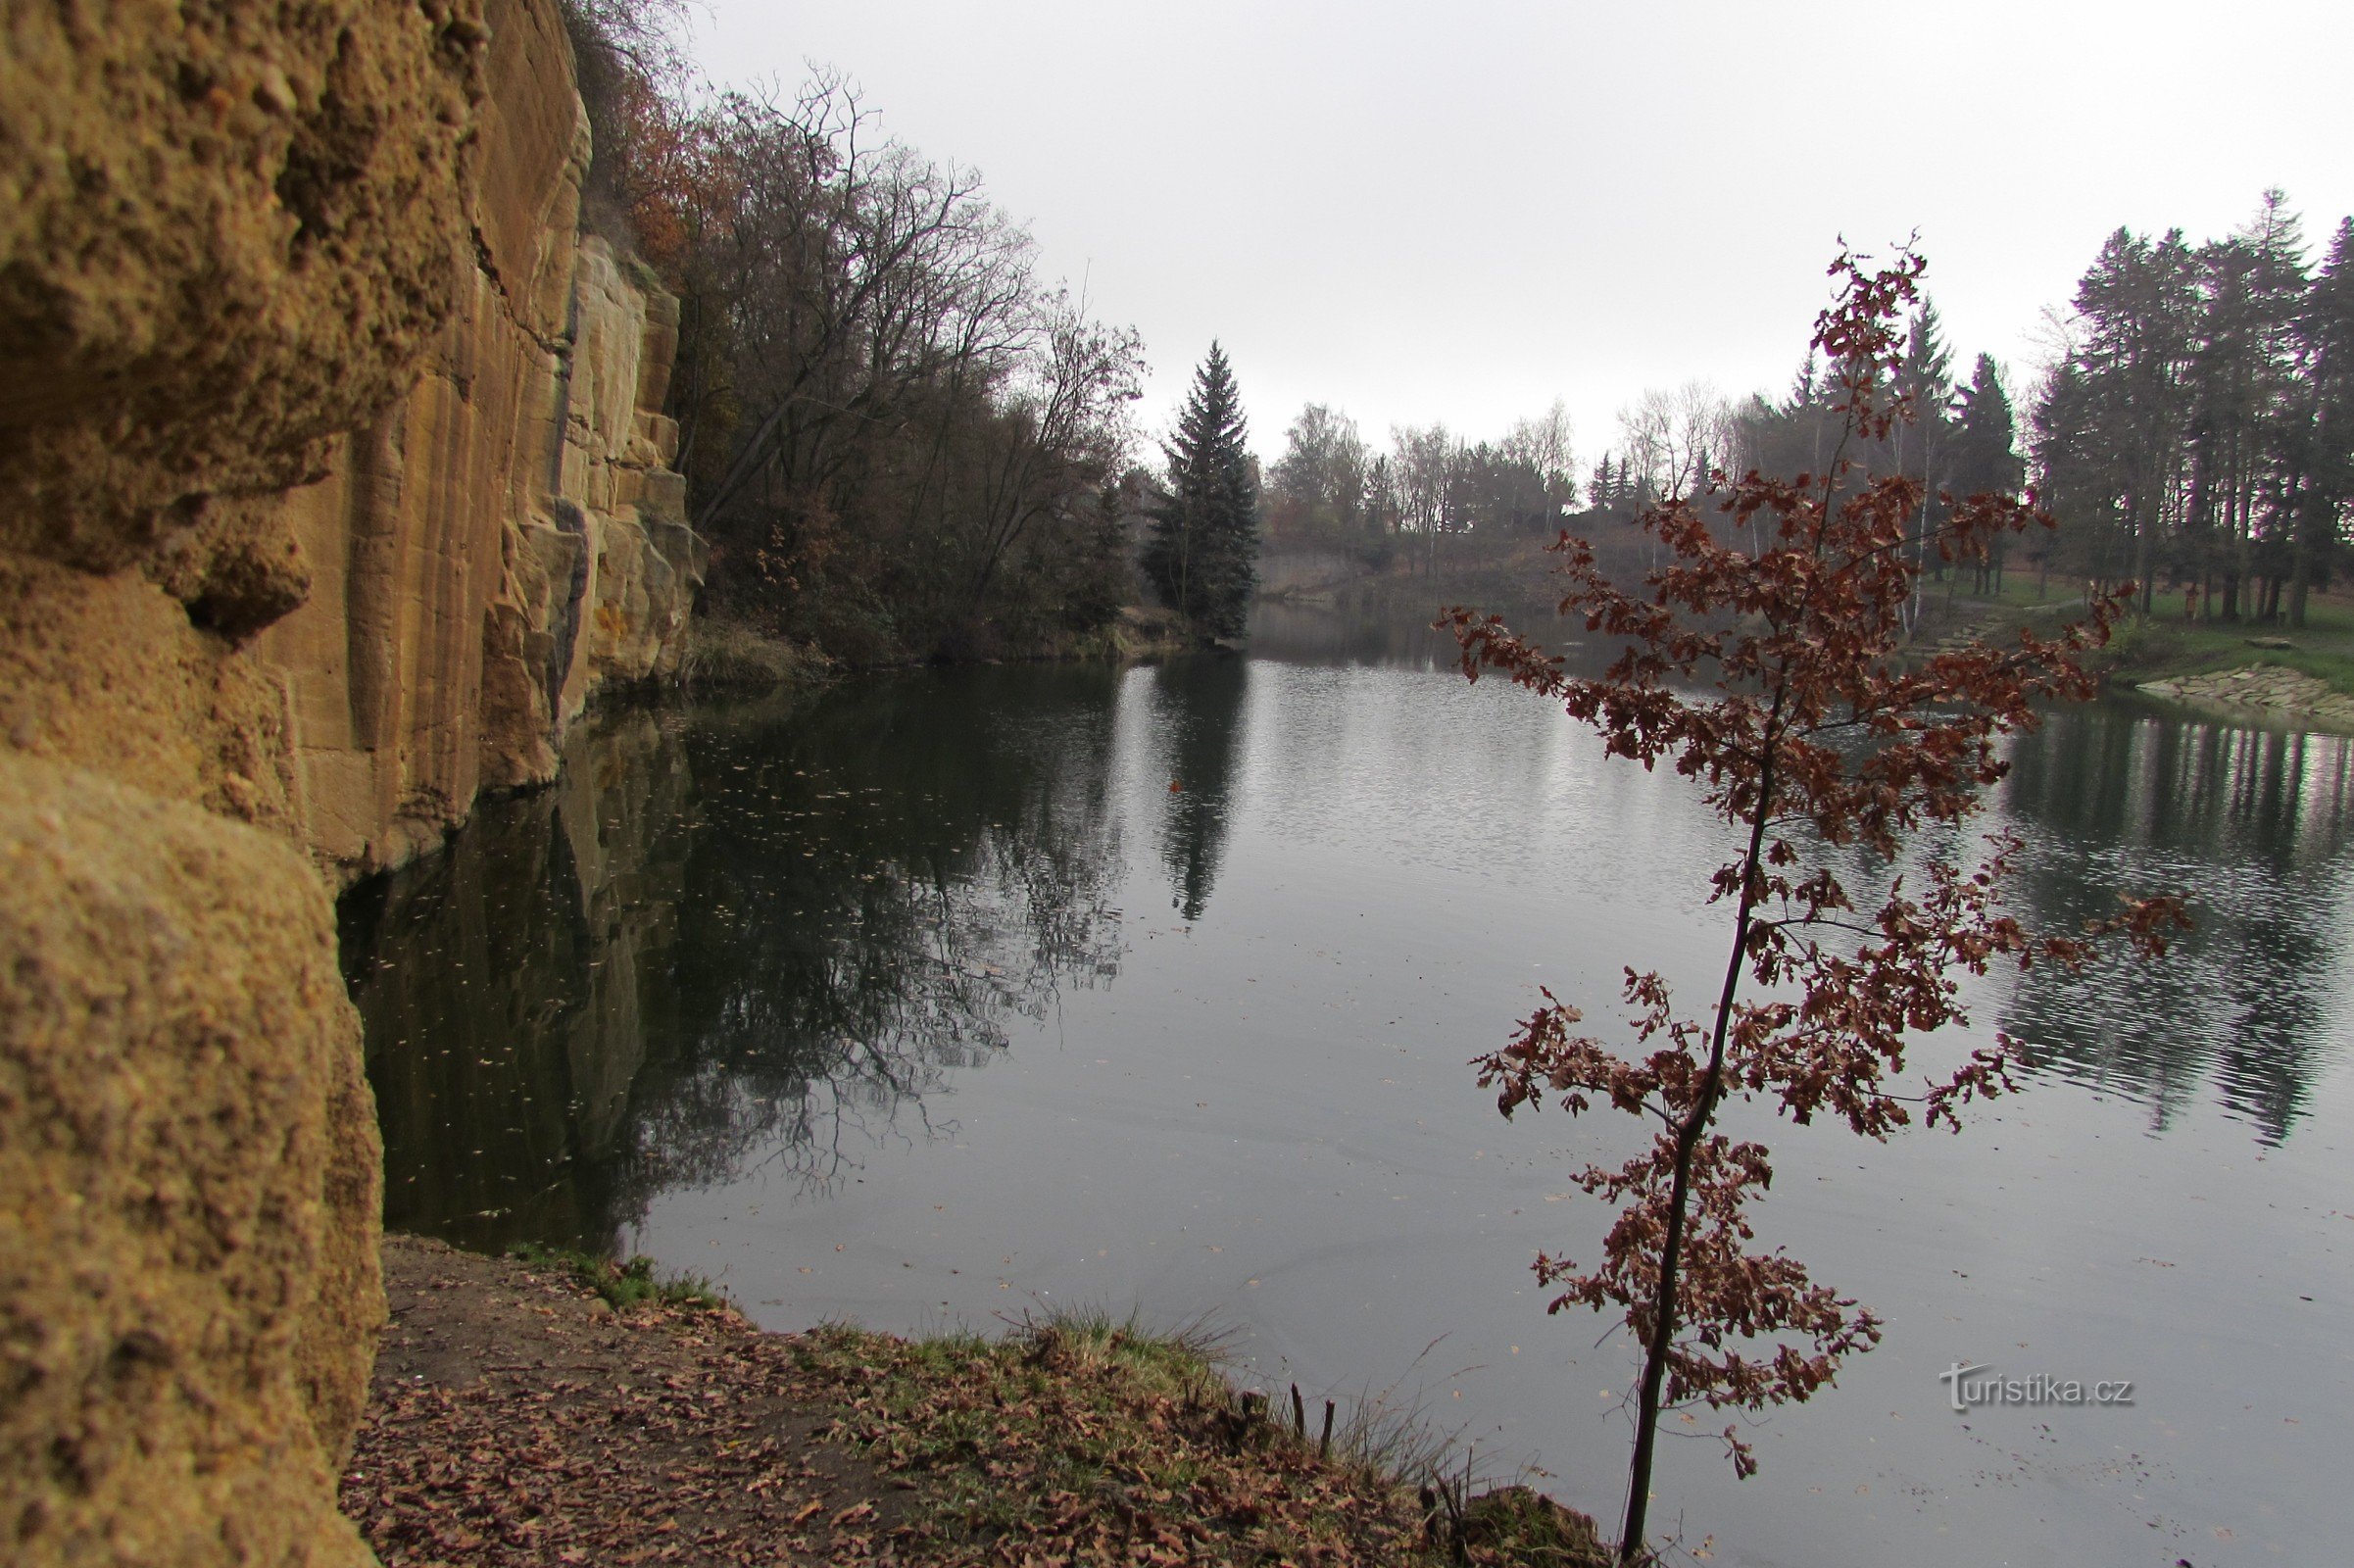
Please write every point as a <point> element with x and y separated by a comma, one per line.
<point>188,1291</point>
<point>224,232</point>
<point>505,539</point>
<point>333,486</point>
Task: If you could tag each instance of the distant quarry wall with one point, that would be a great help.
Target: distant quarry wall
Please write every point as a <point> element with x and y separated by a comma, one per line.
<point>334,485</point>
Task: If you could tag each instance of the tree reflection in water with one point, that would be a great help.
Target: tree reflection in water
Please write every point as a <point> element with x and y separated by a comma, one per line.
<point>1196,719</point>
<point>761,933</point>
<point>768,932</point>
<point>2253,825</point>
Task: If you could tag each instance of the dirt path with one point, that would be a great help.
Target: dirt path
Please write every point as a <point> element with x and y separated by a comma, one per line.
<point>516,1419</point>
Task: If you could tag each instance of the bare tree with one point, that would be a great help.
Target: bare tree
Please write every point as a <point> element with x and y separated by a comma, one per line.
<point>1544,443</point>
<point>1422,465</point>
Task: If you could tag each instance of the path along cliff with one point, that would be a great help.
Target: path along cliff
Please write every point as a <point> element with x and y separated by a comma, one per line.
<point>334,485</point>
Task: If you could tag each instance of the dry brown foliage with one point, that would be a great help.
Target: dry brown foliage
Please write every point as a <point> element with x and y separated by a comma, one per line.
<point>1826,747</point>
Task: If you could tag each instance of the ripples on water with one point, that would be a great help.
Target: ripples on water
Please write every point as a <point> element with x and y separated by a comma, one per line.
<point>2252,825</point>
<point>939,992</point>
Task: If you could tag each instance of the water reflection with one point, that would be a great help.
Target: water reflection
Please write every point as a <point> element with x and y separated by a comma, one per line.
<point>768,928</point>
<point>2252,825</point>
<point>1393,627</point>
<point>738,944</point>
<point>1195,715</point>
<point>1333,634</point>
<point>778,928</point>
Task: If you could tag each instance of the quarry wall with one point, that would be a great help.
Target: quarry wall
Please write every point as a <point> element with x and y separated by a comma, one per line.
<point>333,486</point>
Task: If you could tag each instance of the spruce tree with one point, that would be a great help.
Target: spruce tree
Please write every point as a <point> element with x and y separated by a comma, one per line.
<point>1984,456</point>
<point>1203,552</point>
<point>1986,448</point>
<point>2329,337</point>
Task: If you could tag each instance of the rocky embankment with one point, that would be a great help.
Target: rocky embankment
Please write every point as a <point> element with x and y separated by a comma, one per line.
<point>333,486</point>
<point>2288,695</point>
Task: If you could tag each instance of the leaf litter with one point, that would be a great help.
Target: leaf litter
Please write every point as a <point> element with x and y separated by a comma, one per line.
<point>516,1418</point>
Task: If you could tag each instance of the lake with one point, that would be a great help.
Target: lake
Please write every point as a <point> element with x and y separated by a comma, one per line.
<point>938,997</point>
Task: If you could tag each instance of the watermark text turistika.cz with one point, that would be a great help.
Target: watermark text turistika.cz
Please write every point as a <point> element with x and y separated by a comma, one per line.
<point>1972,1386</point>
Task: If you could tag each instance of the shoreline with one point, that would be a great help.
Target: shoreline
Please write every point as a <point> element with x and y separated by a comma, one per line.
<point>724,654</point>
<point>2273,694</point>
<point>2294,682</point>
<point>518,1416</point>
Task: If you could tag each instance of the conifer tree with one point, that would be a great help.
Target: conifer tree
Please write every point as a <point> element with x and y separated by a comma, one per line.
<point>1986,447</point>
<point>2328,332</point>
<point>1203,552</point>
<point>1984,455</point>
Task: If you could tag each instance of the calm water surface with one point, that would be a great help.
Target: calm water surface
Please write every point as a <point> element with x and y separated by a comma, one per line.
<point>943,995</point>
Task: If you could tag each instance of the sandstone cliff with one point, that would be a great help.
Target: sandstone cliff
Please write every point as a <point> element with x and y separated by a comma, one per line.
<point>506,538</point>
<point>188,1290</point>
<point>333,486</point>
<point>351,658</point>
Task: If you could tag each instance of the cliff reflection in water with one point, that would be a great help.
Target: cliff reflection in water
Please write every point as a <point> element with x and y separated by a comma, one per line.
<point>727,933</point>
<point>2253,826</point>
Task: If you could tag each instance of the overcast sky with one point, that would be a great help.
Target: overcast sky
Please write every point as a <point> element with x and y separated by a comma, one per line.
<point>1462,212</point>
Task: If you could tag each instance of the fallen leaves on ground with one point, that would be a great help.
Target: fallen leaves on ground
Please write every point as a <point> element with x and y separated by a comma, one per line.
<point>517,1421</point>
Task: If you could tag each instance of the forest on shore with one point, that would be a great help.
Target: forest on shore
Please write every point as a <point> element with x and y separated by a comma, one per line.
<point>903,441</point>
<point>2191,430</point>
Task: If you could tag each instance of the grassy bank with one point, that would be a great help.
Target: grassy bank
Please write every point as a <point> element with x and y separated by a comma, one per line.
<point>1077,1438</point>
<point>733,655</point>
<point>2160,648</point>
<point>563,1409</point>
<point>2163,649</point>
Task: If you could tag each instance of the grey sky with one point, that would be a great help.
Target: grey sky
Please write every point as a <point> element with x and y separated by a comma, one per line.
<point>1462,212</point>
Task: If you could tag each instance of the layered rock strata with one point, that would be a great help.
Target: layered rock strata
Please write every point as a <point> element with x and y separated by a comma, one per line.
<point>333,486</point>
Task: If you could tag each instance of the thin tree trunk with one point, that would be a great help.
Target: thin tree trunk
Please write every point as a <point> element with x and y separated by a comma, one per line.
<point>2304,546</point>
<point>1688,1143</point>
<point>2145,549</point>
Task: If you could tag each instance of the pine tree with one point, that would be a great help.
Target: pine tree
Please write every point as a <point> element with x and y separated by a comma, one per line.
<point>2327,329</point>
<point>1203,552</point>
<point>1923,377</point>
<point>1925,372</point>
<point>1984,454</point>
<point>2139,308</point>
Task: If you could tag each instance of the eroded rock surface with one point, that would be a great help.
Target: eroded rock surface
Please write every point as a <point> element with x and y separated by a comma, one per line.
<point>188,1279</point>
<point>225,233</point>
<point>333,485</point>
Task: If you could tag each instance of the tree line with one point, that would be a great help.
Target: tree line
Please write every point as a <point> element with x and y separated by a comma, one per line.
<point>901,439</point>
<point>2193,432</point>
<point>1428,489</point>
<point>2197,425</point>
